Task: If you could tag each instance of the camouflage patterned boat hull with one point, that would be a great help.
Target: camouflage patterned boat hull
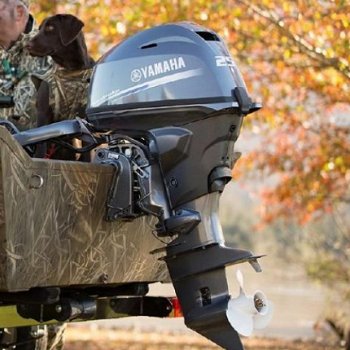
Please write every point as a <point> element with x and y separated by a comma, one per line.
<point>52,229</point>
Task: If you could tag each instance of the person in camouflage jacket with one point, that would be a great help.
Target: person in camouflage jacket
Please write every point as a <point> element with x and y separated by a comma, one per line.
<point>20,73</point>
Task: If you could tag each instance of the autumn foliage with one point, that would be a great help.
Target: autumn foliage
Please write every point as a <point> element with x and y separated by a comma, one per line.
<point>295,58</point>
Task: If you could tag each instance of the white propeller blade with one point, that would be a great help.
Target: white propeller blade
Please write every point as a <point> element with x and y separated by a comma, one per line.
<point>248,312</point>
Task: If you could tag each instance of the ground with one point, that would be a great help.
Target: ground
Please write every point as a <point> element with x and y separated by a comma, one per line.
<point>114,339</point>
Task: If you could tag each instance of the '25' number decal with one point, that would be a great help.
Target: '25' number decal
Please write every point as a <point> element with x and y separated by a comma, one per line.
<point>224,61</point>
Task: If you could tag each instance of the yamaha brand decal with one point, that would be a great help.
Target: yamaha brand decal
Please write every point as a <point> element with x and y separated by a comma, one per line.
<point>153,70</point>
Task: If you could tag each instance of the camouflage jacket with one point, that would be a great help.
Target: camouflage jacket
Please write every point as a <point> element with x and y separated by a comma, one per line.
<point>17,69</point>
<point>68,92</point>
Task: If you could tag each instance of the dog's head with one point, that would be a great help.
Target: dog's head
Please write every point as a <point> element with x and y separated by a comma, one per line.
<point>55,34</point>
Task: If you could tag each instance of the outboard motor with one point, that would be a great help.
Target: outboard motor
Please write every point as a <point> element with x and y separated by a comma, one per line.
<point>173,102</point>
<point>167,105</point>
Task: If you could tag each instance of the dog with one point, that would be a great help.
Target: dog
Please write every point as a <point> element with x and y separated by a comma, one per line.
<point>63,94</point>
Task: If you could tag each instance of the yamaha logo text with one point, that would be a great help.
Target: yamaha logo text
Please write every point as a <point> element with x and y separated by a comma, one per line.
<point>153,70</point>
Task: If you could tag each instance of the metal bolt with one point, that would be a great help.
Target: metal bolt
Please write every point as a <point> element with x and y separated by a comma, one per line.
<point>36,181</point>
<point>58,309</point>
<point>174,182</point>
<point>259,304</point>
<point>37,333</point>
<point>100,155</point>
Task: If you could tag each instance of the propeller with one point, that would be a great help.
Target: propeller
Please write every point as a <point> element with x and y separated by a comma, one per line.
<point>248,312</point>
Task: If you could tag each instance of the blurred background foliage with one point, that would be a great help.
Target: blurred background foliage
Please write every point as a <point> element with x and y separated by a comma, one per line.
<point>295,57</point>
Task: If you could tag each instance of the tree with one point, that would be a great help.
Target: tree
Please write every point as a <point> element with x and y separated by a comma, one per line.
<point>301,52</point>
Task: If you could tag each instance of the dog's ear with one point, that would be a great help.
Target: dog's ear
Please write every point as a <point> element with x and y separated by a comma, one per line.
<point>70,27</point>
